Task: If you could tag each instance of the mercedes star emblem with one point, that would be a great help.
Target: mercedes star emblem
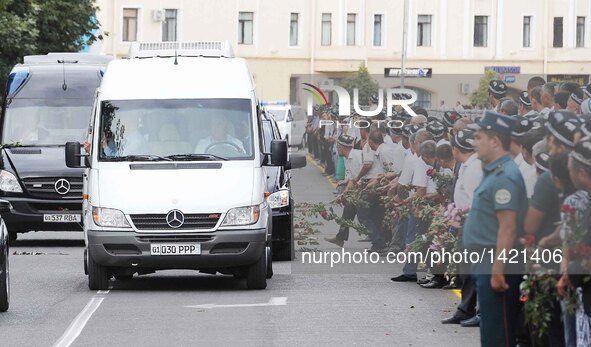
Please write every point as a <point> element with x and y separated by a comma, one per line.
<point>62,186</point>
<point>175,219</point>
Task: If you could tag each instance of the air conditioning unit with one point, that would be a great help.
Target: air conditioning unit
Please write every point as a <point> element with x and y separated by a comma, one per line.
<point>158,15</point>
<point>327,83</point>
<point>465,88</point>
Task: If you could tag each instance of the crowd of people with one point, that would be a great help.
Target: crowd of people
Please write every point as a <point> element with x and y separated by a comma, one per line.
<point>517,176</point>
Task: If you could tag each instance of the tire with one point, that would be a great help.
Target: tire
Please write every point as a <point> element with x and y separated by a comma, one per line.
<point>256,277</point>
<point>123,277</point>
<point>269,263</point>
<point>4,281</point>
<point>98,277</point>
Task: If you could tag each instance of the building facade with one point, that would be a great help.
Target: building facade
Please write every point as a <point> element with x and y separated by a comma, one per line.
<point>449,42</point>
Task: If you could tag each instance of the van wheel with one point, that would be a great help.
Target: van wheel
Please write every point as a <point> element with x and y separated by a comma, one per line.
<point>269,263</point>
<point>256,277</point>
<point>4,282</point>
<point>98,278</point>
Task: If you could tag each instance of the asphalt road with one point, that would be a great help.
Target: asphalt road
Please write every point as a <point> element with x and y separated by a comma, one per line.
<point>51,303</point>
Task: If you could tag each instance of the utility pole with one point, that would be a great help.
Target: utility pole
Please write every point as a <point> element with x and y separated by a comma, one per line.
<point>404,39</point>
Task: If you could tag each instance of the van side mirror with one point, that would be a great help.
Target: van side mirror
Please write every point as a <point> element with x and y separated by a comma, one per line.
<point>296,161</point>
<point>73,155</point>
<point>278,152</point>
<point>5,206</point>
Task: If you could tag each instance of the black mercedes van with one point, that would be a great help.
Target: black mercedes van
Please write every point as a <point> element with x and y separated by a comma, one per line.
<point>48,102</point>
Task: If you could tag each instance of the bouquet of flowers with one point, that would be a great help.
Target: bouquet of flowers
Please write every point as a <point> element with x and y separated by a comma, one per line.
<point>442,181</point>
<point>577,252</point>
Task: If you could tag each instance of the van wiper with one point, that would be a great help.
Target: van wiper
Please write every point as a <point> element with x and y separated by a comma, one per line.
<point>139,157</point>
<point>191,156</point>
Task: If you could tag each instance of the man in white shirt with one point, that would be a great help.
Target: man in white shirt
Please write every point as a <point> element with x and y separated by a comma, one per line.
<point>219,135</point>
<point>353,164</point>
<point>528,172</point>
<point>470,172</point>
<point>469,177</point>
<point>390,157</point>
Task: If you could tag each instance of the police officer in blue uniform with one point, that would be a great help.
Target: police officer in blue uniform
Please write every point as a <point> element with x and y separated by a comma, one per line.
<point>495,222</point>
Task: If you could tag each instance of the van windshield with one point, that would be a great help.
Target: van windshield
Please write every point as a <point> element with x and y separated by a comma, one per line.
<point>176,129</point>
<point>43,122</point>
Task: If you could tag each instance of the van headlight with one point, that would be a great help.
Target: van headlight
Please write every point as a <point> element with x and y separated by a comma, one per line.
<point>109,217</point>
<point>9,183</point>
<point>242,216</point>
<point>279,199</point>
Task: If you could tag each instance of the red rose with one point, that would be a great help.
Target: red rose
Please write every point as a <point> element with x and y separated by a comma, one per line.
<point>524,298</point>
<point>567,209</point>
<point>324,215</point>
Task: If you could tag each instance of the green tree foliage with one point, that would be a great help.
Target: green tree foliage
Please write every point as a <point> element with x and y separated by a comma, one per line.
<point>480,96</point>
<point>363,81</point>
<point>43,26</point>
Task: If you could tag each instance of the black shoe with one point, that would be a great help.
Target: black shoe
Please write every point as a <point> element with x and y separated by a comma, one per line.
<point>472,322</point>
<point>378,250</point>
<point>403,278</point>
<point>424,281</point>
<point>335,240</point>
<point>434,284</point>
<point>456,318</point>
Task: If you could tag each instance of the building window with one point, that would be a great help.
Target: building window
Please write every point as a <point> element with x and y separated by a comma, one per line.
<point>351,18</point>
<point>580,31</point>
<point>424,31</point>
<point>480,31</point>
<point>245,28</point>
<point>527,31</point>
<point>294,24</point>
<point>423,98</point>
<point>377,30</point>
<point>129,32</point>
<point>557,32</point>
<point>326,29</point>
<point>169,26</point>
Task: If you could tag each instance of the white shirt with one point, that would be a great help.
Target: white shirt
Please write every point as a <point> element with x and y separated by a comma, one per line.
<point>469,177</point>
<point>391,157</point>
<point>528,172</point>
<point>408,168</point>
<point>388,140</point>
<point>353,164</point>
<point>420,177</point>
<point>369,156</point>
<point>204,143</point>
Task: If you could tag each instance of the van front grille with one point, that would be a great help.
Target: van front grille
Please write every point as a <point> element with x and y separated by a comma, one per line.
<point>46,188</point>
<point>191,221</point>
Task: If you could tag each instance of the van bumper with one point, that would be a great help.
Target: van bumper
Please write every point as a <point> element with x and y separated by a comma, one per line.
<point>27,214</point>
<point>219,250</point>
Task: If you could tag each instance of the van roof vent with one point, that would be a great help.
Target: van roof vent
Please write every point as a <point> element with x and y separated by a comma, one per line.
<point>181,49</point>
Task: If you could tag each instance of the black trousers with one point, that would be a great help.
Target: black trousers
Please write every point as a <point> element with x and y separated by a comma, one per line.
<point>349,213</point>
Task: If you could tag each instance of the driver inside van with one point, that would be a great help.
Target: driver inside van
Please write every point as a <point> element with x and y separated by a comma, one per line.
<point>219,128</point>
<point>30,130</point>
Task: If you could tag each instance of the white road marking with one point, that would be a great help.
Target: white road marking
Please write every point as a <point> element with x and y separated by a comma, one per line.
<point>79,322</point>
<point>275,301</point>
<point>103,292</point>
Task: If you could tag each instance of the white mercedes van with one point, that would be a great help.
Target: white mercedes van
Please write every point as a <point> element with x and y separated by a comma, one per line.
<point>175,167</point>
